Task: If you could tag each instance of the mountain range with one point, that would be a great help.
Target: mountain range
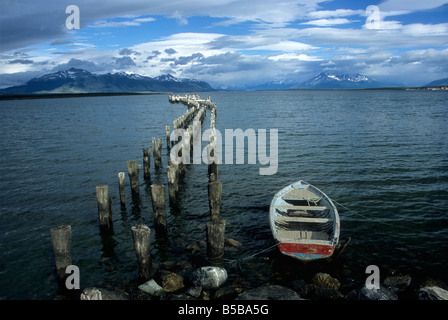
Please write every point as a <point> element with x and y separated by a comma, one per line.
<point>81,81</point>
<point>325,80</point>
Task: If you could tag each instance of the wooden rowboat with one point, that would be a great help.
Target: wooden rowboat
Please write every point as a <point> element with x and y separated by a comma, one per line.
<point>305,222</point>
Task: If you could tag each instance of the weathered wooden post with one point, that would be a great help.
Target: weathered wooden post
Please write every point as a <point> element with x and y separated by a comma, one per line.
<point>159,206</point>
<point>133,176</point>
<point>214,197</point>
<point>215,239</point>
<point>146,163</point>
<point>173,179</point>
<point>155,153</point>
<point>168,141</point>
<point>104,210</point>
<point>212,166</point>
<point>142,245</point>
<point>121,176</point>
<point>61,239</point>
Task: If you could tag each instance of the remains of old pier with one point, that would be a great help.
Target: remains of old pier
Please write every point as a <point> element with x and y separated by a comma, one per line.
<point>141,233</point>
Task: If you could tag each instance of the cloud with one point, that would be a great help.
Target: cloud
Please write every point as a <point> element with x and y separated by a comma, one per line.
<point>128,52</point>
<point>324,14</point>
<point>123,63</point>
<point>170,51</point>
<point>60,42</point>
<point>21,61</point>
<point>78,64</point>
<point>328,22</point>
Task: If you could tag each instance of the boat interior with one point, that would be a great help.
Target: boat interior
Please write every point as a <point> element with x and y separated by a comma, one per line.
<point>303,214</point>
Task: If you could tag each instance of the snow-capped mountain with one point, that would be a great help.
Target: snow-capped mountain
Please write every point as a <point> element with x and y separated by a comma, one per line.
<point>327,80</point>
<point>324,80</point>
<point>81,81</point>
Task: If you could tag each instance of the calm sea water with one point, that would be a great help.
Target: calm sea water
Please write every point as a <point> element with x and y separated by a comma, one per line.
<point>382,154</point>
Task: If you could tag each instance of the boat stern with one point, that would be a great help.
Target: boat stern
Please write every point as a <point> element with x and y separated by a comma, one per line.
<point>305,251</point>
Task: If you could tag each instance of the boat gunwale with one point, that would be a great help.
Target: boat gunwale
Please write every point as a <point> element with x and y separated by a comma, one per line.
<point>334,227</point>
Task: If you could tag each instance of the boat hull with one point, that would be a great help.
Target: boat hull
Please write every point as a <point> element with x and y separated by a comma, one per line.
<point>304,222</point>
<point>307,252</point>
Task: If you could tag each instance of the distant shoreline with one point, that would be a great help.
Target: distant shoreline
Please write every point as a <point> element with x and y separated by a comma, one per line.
<point>72,95</point>
<point>100,94</point>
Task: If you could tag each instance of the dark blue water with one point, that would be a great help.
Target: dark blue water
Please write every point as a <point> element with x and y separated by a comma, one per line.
<point>382,154</point>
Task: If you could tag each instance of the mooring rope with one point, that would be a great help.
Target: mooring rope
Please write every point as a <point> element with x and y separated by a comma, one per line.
<point>370,218</point>
<point>239,261</point>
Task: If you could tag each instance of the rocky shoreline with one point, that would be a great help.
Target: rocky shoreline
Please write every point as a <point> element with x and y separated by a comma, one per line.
<point>212,283</point>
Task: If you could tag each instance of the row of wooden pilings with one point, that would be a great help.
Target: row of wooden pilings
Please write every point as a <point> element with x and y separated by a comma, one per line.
<point>215,227</point>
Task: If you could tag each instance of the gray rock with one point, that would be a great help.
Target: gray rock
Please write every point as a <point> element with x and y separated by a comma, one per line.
<point>93,293</point>
<point>225,293</point>
<point>372,294</point>
<point>299,286</point>
<point>209,277</point>
<point>325,281</point>
<point>397,283</point>
<point>270,292</point>
<point>432,293</point>
<point>194,292</point>
<point>152,288</point>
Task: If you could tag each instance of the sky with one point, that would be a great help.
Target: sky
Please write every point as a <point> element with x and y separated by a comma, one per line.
<point>227,43</point>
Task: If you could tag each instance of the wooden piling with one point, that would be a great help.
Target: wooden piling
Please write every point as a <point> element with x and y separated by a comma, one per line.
<point>173,180</point>
<point>146,163</point>
<point>159,206</point>
<point>142,245</point>
<point>215,239</point>
<point>61,239</point>
<point>104,209</point>
<point>214,197</point>
<point>133,176</point>
<point>157,152</point>
<point>168,141</point>
<point>121,177</point>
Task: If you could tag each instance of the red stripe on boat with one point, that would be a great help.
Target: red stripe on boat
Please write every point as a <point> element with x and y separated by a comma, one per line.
<point>305,248</point>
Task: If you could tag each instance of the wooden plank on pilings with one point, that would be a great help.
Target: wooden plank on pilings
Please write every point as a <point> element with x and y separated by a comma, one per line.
<point>141,235</point>
<point>61,240</point>
<point>159,206</point>
<point>104,210</point>
<point>147,163</point>
<point>214,197</point>
<point>133,176</point>
<point>215,234</point>
<point>121,177</point>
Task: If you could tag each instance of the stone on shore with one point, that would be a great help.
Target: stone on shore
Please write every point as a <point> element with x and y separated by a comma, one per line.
<point>372,294</point>
<point>209,277</point>
<point>152,288</point>
<point>397,283</point>
<point>171,282</point>
<point>93,293</point>
<point>324,287</point>
<point>270,292</point>
<point>432,293</point>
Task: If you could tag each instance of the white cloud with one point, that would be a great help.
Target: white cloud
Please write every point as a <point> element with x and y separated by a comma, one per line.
<point>294,56</point>
<point>328,22</point>
<point>324,14</point>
